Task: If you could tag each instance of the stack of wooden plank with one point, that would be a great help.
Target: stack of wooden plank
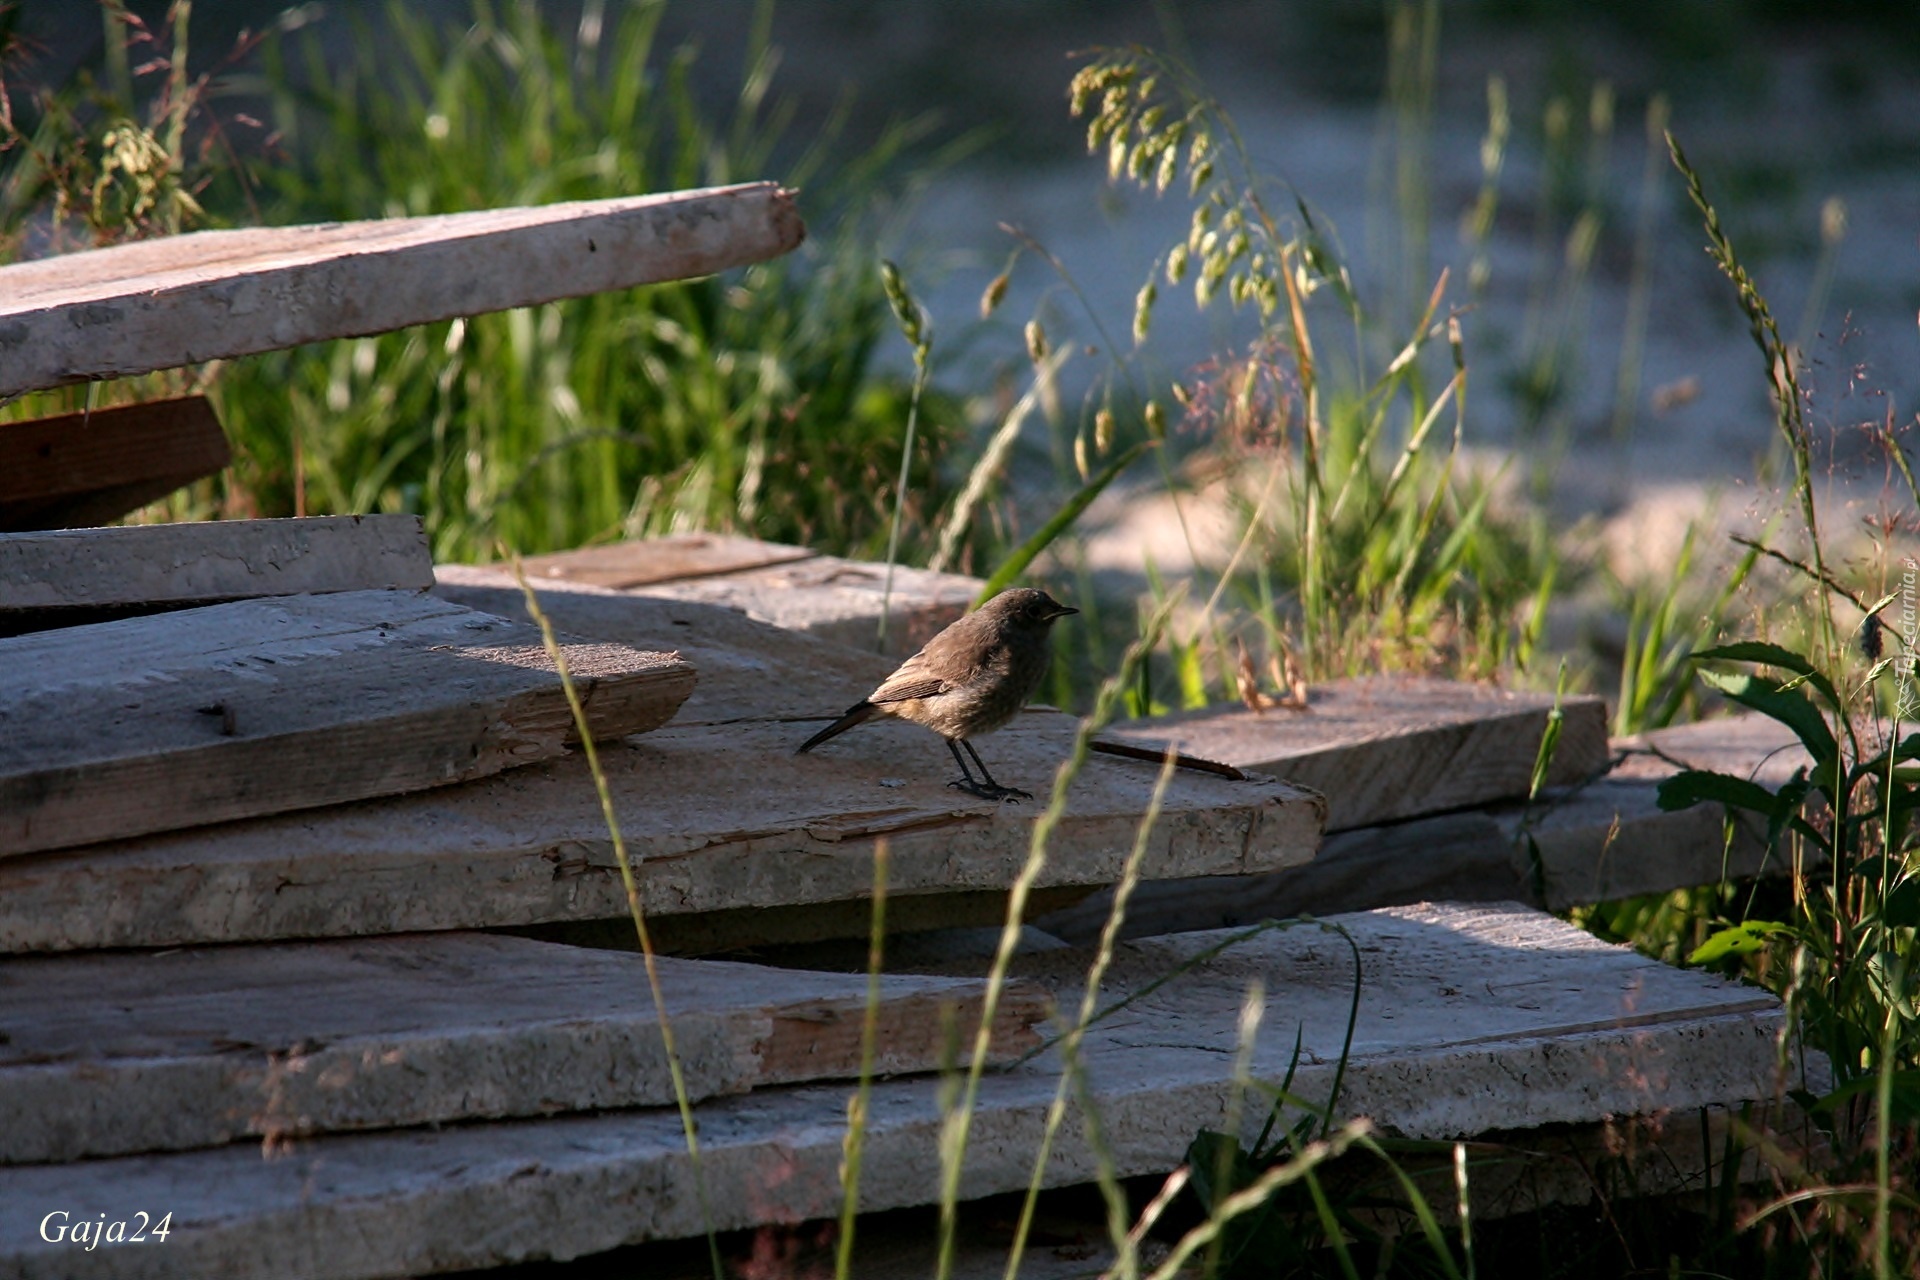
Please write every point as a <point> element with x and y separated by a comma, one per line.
<point>294,856</point>
<point>173,720</point>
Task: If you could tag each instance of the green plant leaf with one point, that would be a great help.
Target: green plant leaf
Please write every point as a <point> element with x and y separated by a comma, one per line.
<point>1210,1155</point>
<point>1901,910</point>
<point>1741,940</point>
<point>1698,786</point>
<point>1794,710</point>
<point>1891,977</point>
<point>1906,1095</point>
<point>1016,564</point>
<point>1763,651</point>
<point>1774,655</point>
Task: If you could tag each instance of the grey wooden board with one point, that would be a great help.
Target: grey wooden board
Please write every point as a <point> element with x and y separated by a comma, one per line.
<point>716,809</point>
<point>264,706</point>
<point>644,561</point>
<point>1600,842</point>
<point>210,561</point>
<point>112,1053</point>
<point>1471,1019</point>
<point>824,596</point>
<point>1384,748</point>
<point>158,304</point>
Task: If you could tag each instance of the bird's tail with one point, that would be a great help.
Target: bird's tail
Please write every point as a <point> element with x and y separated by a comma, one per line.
<point>856,714</point>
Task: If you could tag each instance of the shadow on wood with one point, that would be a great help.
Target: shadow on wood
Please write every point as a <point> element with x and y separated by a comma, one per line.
<point>113,1053</point>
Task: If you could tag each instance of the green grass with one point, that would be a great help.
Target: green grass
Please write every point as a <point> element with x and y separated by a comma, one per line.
<point>750,401</point>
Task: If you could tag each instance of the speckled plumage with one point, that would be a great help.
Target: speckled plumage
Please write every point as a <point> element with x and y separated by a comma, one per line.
<point>969,680</point>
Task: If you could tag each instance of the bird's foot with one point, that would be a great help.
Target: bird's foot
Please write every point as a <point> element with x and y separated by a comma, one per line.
<point>990,790</point>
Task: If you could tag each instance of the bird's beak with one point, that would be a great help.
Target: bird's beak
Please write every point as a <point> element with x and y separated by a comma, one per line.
<point>1061,611</point>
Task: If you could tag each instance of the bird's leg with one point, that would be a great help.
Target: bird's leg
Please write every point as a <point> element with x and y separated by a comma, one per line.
<point>992,790</point>
<point>986,790</point>
<point>965,782</point>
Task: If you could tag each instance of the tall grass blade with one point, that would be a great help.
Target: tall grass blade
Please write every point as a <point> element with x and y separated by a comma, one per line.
<point>918,328</point>
<point>688,1129</point>
<point>955,1129</point>
<point>1023,555</point>
<point>854,1146</point>
<point>1256,1194</point>
<point>1089,1002</point>
<point>992,459</point>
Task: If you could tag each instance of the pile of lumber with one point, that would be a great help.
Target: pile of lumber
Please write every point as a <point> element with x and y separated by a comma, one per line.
<point>319,954</point>
<point>349,783</point>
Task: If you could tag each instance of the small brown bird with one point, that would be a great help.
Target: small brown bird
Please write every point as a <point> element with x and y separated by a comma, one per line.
<point>968,680</point>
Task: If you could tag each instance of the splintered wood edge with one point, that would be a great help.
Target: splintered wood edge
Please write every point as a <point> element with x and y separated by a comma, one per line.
<point>619,704</point>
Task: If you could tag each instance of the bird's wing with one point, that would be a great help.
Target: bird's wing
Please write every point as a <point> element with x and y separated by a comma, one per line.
<point>911,681</point>
<point>897,689</point>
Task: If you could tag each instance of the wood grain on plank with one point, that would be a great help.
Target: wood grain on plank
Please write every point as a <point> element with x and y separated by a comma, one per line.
<point>823,596</point>
<point>715,818</point>
<point>1458,1004</point>
<point>1383,748</point>
<point>645,561</point>
<point>749,669</point>
<point>149,567</point>
<point>159,304</point>
<point>115,1053</point>
<point>264,706</point>
<point>88,468</point>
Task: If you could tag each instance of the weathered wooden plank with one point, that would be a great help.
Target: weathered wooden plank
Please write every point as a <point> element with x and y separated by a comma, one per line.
<point>1457,1004</point>
<point>824,596</point>
<point>717,810</point>
<point>840,600</point>
<point>1595,843</point>
<point>264,706</point>
<point>717,818</point>
<point>112,1053</point>
<point>1384,748</point>
<point>646,561</point>
<point>158,304</point>
<point>146,568</point>
<point>749,669</point>
<point>88,468</point>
